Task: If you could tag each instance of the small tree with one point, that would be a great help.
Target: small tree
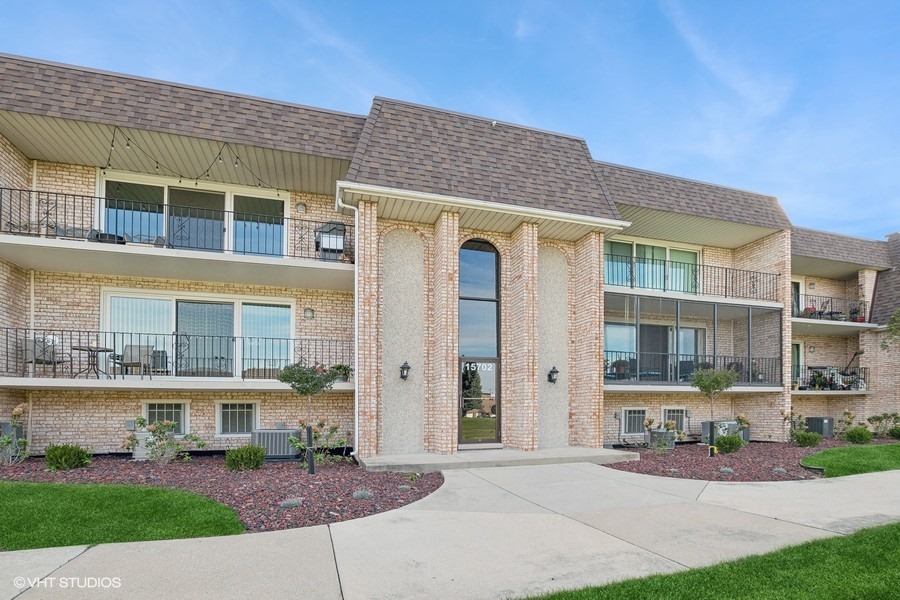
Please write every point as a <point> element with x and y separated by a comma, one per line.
<point>712,382</point>
<point>893,331</point>
<point>307,381</point>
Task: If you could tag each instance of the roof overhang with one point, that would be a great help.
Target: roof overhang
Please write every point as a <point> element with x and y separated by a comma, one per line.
<point>826,268</point>
<point>690,229</point>
<point>422,207</point>
<point>67,141</point>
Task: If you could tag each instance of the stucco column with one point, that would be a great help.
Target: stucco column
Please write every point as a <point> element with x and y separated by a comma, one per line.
<point>441,422</point>
<point>519,372</point>
<point>586,361</point>
<point>368,384</point>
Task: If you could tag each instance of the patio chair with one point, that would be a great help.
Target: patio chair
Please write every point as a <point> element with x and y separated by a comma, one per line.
<point>330,240</point>
<point>43,352</point>
<point>135,356</point>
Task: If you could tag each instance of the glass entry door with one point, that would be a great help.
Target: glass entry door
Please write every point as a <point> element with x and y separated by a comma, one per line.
<point>479,401</point>
<point>204,344</point>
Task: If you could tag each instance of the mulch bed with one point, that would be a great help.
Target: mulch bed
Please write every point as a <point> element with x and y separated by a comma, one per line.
<point>326,497</point>
<point>757,461</point>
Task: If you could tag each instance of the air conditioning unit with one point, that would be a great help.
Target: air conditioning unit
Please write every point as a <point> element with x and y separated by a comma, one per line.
<point>710,429</point>
<point>276,442</point>
<point>821,425</point>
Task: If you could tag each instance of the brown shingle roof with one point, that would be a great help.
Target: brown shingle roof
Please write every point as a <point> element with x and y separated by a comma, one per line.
<point>833,246</point>
<point>69,92</point>
<point>887,288</point>
<point>411,147</point>
<point>668,193</point>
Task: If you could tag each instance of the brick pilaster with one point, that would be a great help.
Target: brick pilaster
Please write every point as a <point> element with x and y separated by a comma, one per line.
<point>441,410</point>
<point>586,396</point>
<point>368,384</point>
<point>519,393</point>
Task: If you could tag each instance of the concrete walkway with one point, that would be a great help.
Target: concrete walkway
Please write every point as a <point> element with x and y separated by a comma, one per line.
<point>487,533</point>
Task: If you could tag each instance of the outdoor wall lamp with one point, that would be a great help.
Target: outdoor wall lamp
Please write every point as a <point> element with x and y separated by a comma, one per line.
<point>404,370</point>
<point>553,375</point>
<point>309,313</point>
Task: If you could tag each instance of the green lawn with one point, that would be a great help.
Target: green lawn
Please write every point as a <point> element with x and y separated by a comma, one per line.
<point>478,428</point>
<point>856,459</point>
<point>41,515</point>
<point>862,565</point>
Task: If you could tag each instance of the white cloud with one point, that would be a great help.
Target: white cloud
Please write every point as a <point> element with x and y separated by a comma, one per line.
<point>524,29</point>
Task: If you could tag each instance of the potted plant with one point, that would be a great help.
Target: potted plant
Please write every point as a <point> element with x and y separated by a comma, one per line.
<point>341,372</point>
<point>620,366</point>
<point>659,436</point>
<point>743,424</point>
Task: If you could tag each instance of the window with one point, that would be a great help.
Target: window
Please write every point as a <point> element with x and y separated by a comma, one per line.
<point>675,414</point>
<point>479,300</point>
<point>651,266</point>
<point>237,418</point>
<point>169,412</point>
<point>209,217</point>
<point>633,420</point>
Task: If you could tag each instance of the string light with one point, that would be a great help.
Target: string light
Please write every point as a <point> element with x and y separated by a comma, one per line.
<point>127,144</point>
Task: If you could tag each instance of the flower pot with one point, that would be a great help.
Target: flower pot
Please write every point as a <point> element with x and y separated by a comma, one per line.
<point>341,379</point>
<point>660,439</point>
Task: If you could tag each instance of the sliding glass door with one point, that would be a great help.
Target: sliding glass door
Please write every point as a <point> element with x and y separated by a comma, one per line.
<point>204,339</point>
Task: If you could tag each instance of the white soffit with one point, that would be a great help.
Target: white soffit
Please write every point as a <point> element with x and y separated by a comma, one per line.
<point>494,218</point>
<point>827,269</point>
<point>689,229</point>
<point>80,143</point>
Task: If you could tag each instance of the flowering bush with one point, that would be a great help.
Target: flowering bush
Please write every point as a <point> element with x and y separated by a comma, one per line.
<point>13,445</point>
<point>161,442</point>
<point>742,422</point>
<point>648,424</point>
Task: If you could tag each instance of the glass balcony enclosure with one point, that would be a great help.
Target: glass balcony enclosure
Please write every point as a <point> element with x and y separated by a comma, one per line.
<point>663,341</point>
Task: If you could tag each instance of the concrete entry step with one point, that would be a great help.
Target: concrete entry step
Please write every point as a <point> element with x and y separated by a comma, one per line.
<point>427,462</point>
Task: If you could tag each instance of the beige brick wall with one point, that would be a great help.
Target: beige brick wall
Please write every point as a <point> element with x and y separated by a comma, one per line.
<point>519,395</point>
<point>15,168</point>
<point>368,360</point>
<point>72,301</point>
<point>586,407</point>
<point>441,423</point>
<point>96,418</point>
<point>762,410</point>
<point>717,257</point>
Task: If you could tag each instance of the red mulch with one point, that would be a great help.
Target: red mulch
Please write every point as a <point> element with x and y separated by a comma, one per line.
<point>326,497</point>
<point>756,461</point>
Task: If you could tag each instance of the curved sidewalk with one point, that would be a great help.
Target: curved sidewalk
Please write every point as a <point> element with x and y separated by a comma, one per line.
<point>487,533</point>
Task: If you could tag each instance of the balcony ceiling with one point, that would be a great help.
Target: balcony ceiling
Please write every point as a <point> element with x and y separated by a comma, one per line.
<point>689,229</point>
<point>71,256</point>
<point>82,143</point>
<point>830,328</point>
<point>826,268</point>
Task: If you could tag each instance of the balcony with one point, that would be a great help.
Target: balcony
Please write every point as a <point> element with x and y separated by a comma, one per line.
<point>815,380</point>
<point>824,315</point>
<point>689,278</point>
<point>652,368</point>
<point>67,232</point>
<point>77,359</point>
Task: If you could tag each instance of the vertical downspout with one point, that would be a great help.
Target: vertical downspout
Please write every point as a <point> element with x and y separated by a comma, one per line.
<point>30,326</point>
<point>340,204</point>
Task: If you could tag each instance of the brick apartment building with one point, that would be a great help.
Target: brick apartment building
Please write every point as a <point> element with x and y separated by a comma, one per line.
<point>165,250</point>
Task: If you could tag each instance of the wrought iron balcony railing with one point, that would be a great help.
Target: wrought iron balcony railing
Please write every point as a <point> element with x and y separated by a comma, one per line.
<point>826,378</point>
<point>688,278</point>
<point>829,309</point>
<point>82,354</point>
<point>677,369</point>
<point>113,221</point>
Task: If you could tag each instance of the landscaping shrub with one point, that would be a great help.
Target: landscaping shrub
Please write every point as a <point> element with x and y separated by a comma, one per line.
<point>66,456</point>
<point>895,432</point>
<point>245,458</point>
<point>729,443</point>
<point>858,435</point>
<point>807,439</point>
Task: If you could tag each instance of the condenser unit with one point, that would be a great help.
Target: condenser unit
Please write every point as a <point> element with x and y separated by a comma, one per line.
<point>276,442</point>
<point>821,425</point>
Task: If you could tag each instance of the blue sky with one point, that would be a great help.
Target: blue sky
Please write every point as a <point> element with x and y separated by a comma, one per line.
<point>798,99</point>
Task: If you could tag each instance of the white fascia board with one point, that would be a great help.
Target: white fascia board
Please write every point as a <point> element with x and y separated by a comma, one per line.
<point>531,213</point>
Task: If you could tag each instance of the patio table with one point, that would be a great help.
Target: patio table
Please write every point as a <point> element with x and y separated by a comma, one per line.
<point>93,360</point>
